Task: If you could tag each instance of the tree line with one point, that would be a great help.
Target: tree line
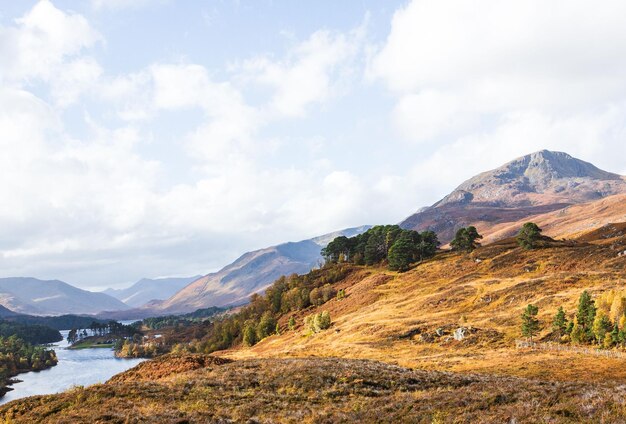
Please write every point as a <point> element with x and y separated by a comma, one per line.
<point>17,355</point>
<point>399,247</point>
<point>600,322</point>
<point>259,319</point>
<point>35,334</point>
<point>111,328</point>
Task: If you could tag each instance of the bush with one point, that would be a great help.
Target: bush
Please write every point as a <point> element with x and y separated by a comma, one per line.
<point>315,323</point>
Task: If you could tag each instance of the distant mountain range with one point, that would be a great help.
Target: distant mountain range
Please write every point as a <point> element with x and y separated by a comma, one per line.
<point>534,184</point>
<point>39,297</point>
<point>250,273</point>
<point>147,289</point>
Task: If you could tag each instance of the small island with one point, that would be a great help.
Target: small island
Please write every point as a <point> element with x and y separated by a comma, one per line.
<point>102,335</point>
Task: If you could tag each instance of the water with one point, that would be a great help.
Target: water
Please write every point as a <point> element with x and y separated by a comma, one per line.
<point>80,367</point>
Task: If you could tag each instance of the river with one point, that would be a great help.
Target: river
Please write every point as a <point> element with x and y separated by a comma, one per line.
<point>80,367</point>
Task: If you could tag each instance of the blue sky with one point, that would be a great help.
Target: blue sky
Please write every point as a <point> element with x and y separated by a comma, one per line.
<point>161,138</point>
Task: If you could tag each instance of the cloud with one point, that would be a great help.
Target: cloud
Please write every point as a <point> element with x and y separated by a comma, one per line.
<point>491,80</point>
<point>40,43</point>
<point>117,5</point>
<point>309,74</point>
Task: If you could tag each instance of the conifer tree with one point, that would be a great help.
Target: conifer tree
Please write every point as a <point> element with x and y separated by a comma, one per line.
<point>559,324</point>
<point>529,235</point>
<point>585,316</point>
<point>530,324</point>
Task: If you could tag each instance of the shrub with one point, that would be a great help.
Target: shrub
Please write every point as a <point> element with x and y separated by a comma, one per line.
<point>315,323</point>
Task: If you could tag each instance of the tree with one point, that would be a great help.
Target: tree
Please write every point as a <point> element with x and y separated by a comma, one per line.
<point>585,316</point>
<point>292,323</point>
<point>530,324</point>
<point>401,253</point>
<point>249,334</point>
<point>465,239</point>
<point>601,326</point>
<point>559,324</point>
<point>529,235</point>
<point>266,326</point>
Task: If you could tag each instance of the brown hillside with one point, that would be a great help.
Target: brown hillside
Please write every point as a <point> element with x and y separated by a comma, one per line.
<point>537,183</point>
<point>316,390</point>
<point>569,222</point>
<point>410,318</point>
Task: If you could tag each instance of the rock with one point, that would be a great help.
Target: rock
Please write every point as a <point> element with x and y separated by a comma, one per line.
<point>459,333</point>
<point>439,331</point>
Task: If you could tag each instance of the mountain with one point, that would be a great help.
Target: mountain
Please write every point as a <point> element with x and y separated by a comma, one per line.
<point>537,183</point>
<point>570,221</point>
<point>147,289</point>
<point>441,342</point>
<point>251,273</point>
<point>54,297</point>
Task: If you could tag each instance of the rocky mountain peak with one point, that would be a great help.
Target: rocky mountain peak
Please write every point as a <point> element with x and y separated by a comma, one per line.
<point>536,178</point>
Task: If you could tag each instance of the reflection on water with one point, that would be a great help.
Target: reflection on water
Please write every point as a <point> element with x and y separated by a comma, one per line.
<point>80,367</point>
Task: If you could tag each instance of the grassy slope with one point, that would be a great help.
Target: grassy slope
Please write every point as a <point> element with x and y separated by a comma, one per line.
<point>486,290</point>
<point>392,318</point>
<point>197,388</point>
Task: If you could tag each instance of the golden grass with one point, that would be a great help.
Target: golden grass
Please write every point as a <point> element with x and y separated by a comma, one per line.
<point>485,291</point>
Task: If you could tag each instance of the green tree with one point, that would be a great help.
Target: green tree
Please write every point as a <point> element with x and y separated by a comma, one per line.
<point>266,326</point>
<point>529,235</point>
<point>465,239</point>
<point>292,323</point>
<point>401,253</point>
<point>530,323</point>
<point>249,334</point>
<point>559,324</point>
<point>601,326</point>
<point>586,316</point>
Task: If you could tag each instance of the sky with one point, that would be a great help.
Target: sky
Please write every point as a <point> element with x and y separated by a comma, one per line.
<point>158,138</point>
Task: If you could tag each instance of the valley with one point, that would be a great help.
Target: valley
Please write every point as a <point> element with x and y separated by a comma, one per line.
<point>393,329</point>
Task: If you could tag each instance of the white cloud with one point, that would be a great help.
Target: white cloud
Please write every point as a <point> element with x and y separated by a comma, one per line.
<point>41,41</point>
<point>310,73</point>
<point>495,79</point>
<point>117,5</point>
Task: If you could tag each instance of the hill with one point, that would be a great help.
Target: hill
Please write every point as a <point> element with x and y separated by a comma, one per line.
<point>250,273</point>
<point>53,297</point>
<point>148,289</point>
<point>570,221</point>
<point>534,184</point>
<point>197,388</point>
<point>434,344</point>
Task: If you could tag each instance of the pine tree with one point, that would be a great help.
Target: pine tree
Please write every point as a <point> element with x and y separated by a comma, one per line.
<point>585,316</point>
<point>401,253</point>
<point>530,324</point>
<point>615,338</point>
<point>559,324</point>
<point>529,235</point>
<point>465,239</point>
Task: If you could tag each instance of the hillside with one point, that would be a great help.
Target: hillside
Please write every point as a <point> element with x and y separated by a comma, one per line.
<point>410,318</point>
<point>54,297</point>
<point>534,184</point>
<point>148,289</point>
<point>250,273</point>
<point>196,388</point>
<point>434,344</point>
<point>570,221</point>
